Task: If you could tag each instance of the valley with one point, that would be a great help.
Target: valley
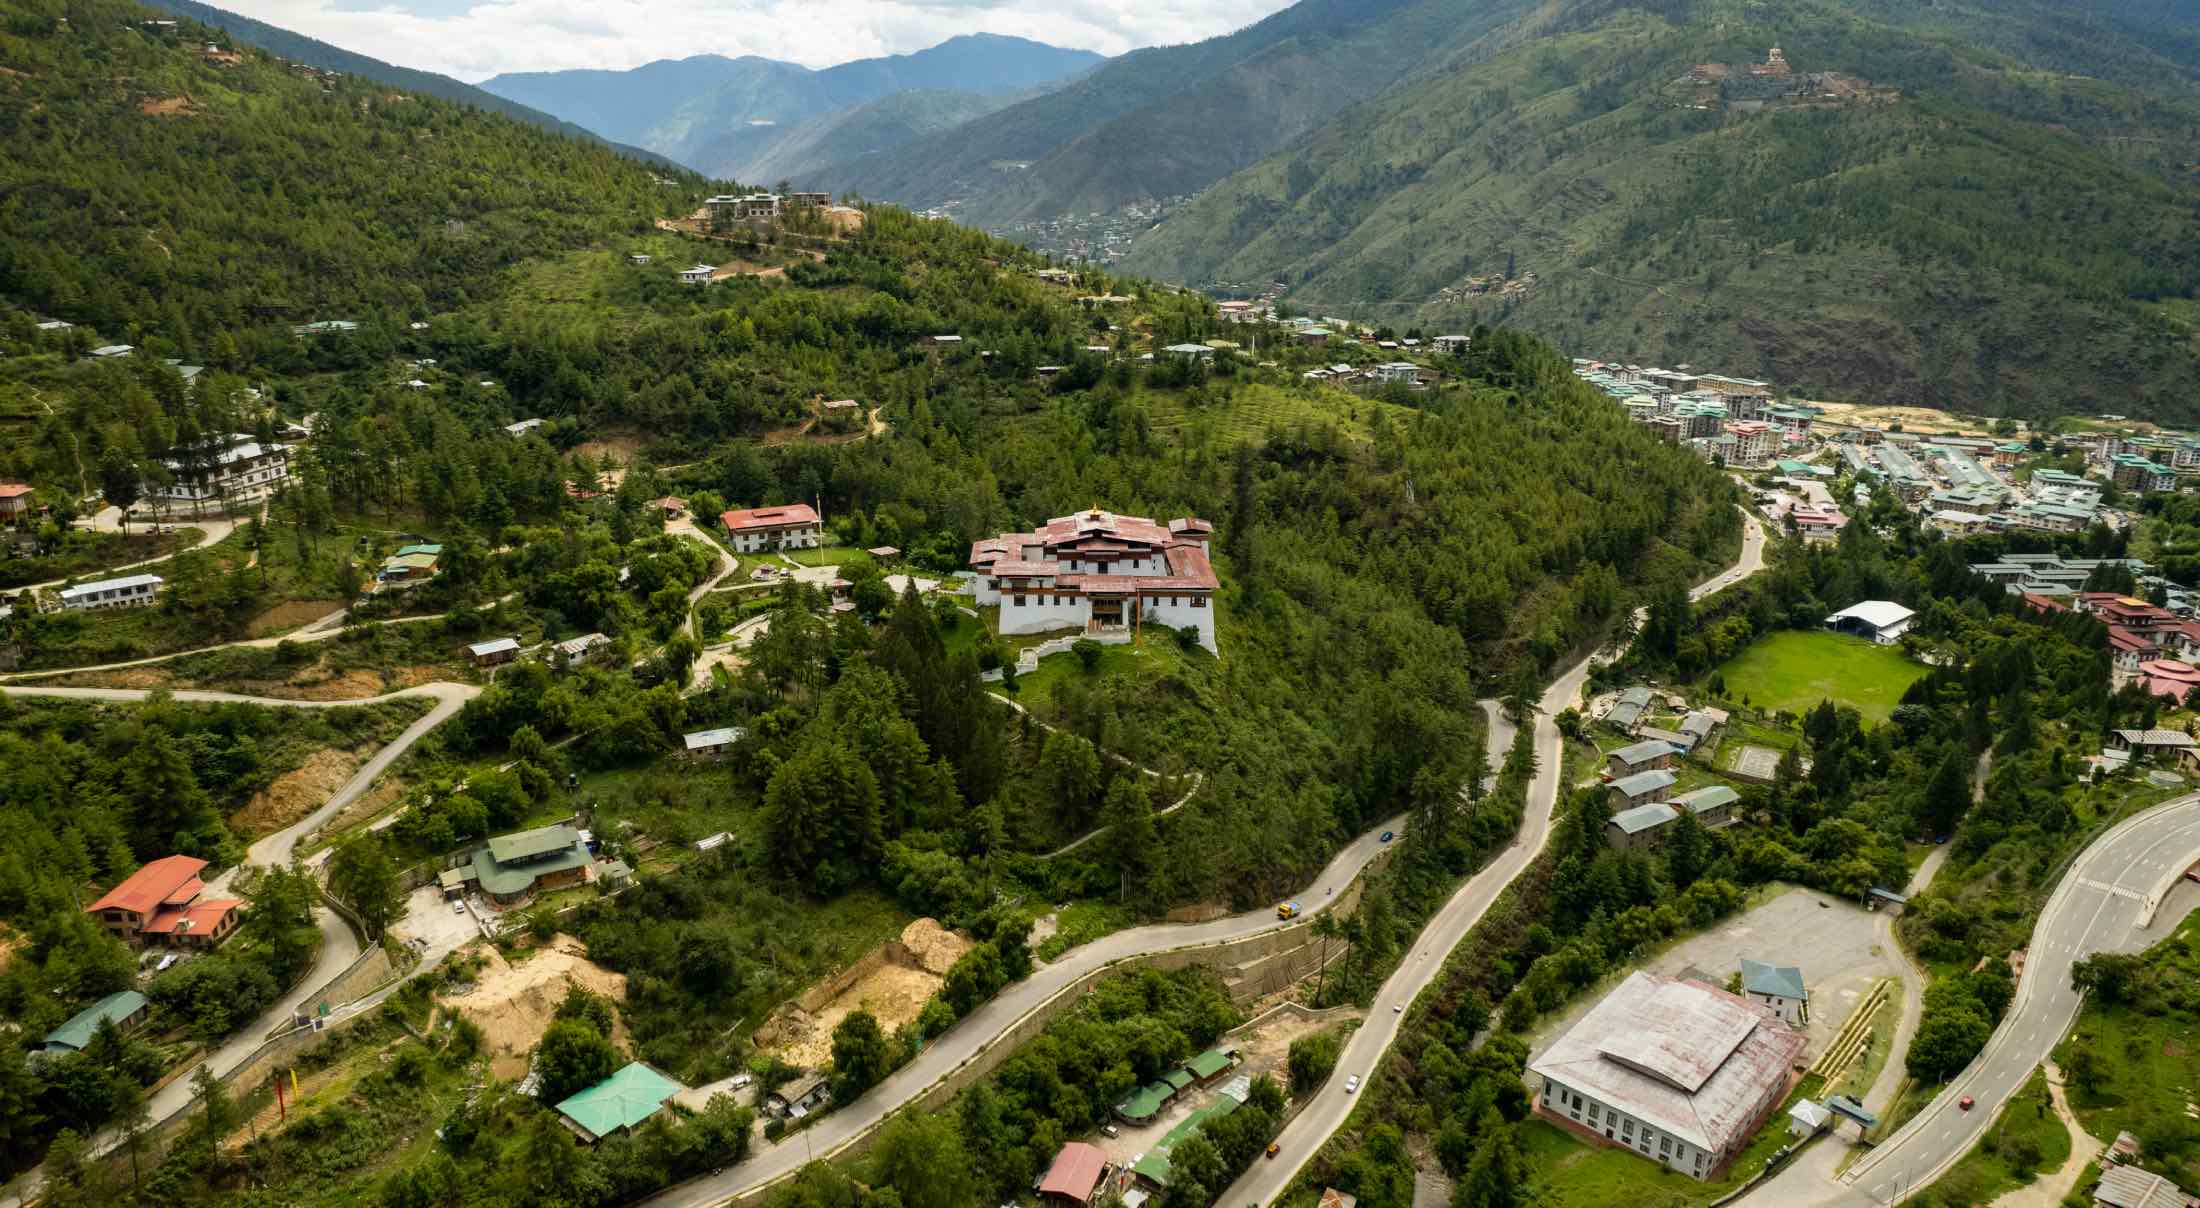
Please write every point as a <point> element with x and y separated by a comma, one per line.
<point>1481,604</point>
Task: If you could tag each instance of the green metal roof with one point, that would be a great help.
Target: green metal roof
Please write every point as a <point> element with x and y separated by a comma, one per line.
<point>529,844</point>
<point>623,1100</point>
<point>1209,1063</point>
<point>419,549</point>
<point>1761,977</point>
<point>75,1034</point>
<point>1145,1101</point>
<point>1177,1079</point>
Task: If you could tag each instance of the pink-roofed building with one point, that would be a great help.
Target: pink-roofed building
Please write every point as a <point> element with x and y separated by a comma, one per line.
<point>791,526</point>
<point>2169,677</point>
<point>1675,1070</point>
<point>1815,523</point>
<point>1099,571</point>
<point>162,903</point>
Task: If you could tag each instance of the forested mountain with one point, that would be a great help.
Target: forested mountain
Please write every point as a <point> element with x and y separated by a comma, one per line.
<point>797,151</point>
<point>312,52</point>
<point>1986,205</point>
<point>682,107</point>
<point>1167,121</point>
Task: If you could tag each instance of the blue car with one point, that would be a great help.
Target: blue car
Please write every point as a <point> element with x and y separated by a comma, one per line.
<point>1385,837</point>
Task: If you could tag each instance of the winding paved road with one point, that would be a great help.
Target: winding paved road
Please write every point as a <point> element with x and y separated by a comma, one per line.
<point>1329,1107</point>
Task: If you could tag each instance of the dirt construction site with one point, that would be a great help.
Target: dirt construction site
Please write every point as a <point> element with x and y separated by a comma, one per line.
<point>513,1003</point>
<point>892,982</point>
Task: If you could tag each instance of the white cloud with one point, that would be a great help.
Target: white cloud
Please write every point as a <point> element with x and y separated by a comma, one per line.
<point>473,41</point>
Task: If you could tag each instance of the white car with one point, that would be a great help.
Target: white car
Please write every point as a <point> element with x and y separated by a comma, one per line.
<point>1352,1084</point>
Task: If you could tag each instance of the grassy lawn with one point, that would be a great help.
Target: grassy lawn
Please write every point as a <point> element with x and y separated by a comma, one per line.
<point>1251,409</point>
<point>828,556</point>
<point>2142,1053</point>
<point>1153,658</point>
<point>2027,1139</point>
<point>1793,670</point>
<point>1570,1173</point>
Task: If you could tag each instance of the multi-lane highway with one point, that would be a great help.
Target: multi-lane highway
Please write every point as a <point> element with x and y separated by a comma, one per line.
<point>2102,904</point>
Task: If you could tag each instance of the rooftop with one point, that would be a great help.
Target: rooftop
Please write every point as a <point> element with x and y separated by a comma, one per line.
<point>1759,977</point>
<point>793,515</point>
<point>1684,1057</point>
<point>168,878</point>
<point>118,1006</point>
<point>1644,782</point>
<point>532,844</point>
<point>1644,817</point>
<point>623,1100</point>
<point>1076,1171</point>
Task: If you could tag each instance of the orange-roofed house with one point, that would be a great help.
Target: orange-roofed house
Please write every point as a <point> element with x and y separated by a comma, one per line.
<point>15,500</point>
<point>1101,573</point>
<point>793,526</point>
<point>163,903</point>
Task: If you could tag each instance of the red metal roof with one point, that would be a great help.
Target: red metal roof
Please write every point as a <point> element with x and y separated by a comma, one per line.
<point>199,918</point>
<point>1075,1173</point>
<point>793,515</point>
<point>151,885</point>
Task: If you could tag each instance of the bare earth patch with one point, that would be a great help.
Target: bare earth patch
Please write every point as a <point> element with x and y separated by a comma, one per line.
<point>141,678</point>
<point>513,1004</point>
<point>289,615</point>
<point>296,793</point>
<point>174,106</point>
<point>894,993</point>
<point>11,942</point>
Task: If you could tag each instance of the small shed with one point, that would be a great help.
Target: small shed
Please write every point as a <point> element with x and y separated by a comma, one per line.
<point>712,744</point>
<point>1808,1119</point>
<point>494,652</point>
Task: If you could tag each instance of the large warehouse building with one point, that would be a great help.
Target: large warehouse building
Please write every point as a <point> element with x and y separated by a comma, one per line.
<point>1677,1071</point>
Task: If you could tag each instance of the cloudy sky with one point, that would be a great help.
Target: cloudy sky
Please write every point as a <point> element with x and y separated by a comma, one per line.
<point>475,39</point>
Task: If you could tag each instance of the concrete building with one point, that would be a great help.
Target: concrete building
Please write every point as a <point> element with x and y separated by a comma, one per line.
<point>1639,826</point>
<point>1777,988</point>
<point>1642,788</point>
<point>1643,756</point>
<point>1713,804</point>
<point>130,591</point>
<point>1755,441</point>
<point>1676,1071</point>
<point>1625,715</point>
<point>1097,571</point>
<point>222,470</point>
<point>789,526</point>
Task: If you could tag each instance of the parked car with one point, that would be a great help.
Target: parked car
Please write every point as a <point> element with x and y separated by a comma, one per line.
<point>1352,1084</point>
<point>1110,1130</point>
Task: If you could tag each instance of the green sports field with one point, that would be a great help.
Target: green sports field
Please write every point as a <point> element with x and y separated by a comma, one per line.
<point>1794,670</point>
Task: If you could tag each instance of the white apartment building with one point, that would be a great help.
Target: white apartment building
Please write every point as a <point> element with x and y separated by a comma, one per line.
<point>793,526</point>
<point>1099,571</point>
<point>227,469</point>
<point>132,591</point>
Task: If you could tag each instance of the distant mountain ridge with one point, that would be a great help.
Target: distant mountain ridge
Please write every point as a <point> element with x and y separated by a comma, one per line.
<point>681,107</point>
<point>1981,203</point>
<point>299,48</point>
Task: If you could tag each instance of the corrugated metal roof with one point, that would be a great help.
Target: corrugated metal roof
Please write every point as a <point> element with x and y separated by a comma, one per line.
<point>623,1100</point>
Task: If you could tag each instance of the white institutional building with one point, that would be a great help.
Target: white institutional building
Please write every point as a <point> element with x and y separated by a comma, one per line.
<point>1099,571</point>
<point>228,469</point>
<point>1677,1071</point>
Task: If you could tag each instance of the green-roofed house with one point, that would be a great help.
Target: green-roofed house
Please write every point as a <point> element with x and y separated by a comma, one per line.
<point>510,867</point>
<point>1178,1079</point>
<point>1778,987</point>
<point>125,1007</point>
<point>618,1103</point>
<point>1211,1065</point>
<point>1145,1103</point>
<point>1154,1167</point>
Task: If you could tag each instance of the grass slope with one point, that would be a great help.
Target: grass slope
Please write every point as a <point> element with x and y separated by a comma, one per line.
<point>1794,670</point>
<point>1997,233</point>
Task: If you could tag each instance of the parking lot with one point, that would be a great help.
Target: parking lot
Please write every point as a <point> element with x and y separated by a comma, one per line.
<point>1833,941</point>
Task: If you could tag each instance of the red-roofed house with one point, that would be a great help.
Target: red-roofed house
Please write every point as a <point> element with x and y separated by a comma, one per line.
<point>2127,649</point>
<point>1099,571</point>
<point>1075,1176</point>
<point>160,903</point>
<point>15,499</point>
<point>793,526</point>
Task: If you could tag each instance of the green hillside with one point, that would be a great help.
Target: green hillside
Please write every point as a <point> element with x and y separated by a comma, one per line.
<point>1967,221</point>
<point>298,48</point>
